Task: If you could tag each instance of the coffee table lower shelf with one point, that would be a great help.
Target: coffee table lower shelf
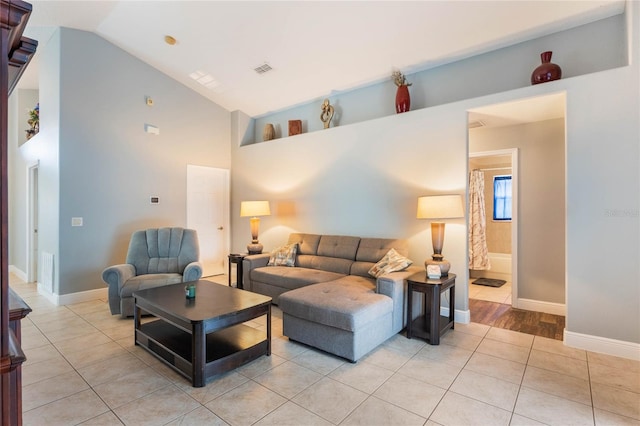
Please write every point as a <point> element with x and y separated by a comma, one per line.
<point>226,349</point>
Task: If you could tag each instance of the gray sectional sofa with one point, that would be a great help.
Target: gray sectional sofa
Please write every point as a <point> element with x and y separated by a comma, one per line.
<point>328,298</point>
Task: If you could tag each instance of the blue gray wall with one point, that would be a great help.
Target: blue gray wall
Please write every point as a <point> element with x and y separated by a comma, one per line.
<point>108,167</point>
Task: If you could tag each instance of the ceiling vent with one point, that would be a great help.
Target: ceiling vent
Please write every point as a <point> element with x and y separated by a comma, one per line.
<point>261,69</point>
<point>476,124</point>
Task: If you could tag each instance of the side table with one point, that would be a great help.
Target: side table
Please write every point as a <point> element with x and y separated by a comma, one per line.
<point>431,325</point>
<point>237,258</point>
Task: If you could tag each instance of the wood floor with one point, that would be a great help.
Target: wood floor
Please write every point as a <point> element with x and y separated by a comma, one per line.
<point>504,316</point>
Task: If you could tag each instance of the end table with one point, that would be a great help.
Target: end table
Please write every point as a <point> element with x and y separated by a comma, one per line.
<point>431,325</point>
<point>237,258</point>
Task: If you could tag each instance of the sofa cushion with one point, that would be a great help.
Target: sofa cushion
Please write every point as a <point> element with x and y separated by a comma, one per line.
<point>348,303</point>
<point>283,256</point>
<point>142,282</point>
<point>331,264</point>
<point>339,246</point>
<point>307,243</point>
<point>374,249</point>
<point>391,262</point>
<point>291,278</point>
<point>361,268</point>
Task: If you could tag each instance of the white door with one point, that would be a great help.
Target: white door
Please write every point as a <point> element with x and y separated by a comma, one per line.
<point>208,214</point>
<point>32,227</point>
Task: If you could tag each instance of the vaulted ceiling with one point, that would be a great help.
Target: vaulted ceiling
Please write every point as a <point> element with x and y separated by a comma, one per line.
<point>315,49</point>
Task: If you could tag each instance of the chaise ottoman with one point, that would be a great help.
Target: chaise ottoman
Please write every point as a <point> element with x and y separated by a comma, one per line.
<point>345,317</point>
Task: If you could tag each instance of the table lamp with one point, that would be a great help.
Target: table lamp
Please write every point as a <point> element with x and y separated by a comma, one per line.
<point>254,209</point>
<point>439,207</point>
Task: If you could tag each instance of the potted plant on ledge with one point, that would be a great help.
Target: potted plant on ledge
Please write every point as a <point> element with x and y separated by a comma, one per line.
<point>33,121</point>
<point>403,100</point>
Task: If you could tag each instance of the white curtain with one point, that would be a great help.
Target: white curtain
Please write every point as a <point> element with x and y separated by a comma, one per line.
<point>478,252</point>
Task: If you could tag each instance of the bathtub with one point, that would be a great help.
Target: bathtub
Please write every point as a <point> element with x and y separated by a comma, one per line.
<point>500,267</point>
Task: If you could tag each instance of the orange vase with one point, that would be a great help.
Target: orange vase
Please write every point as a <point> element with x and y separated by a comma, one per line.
<point>403,100</point>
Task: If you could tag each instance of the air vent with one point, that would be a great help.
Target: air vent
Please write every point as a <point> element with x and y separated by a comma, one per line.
<point>261,69</point>
<point>476,124</point>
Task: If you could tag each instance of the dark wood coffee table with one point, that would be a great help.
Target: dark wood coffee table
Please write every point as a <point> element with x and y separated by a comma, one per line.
<point>204,336</point>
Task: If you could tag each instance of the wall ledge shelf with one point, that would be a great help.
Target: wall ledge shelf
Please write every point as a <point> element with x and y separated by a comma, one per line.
<point>499,71</point>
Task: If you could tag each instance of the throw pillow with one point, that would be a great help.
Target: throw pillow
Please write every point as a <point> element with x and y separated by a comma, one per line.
<point>391,262</point>
<point>284,256</point>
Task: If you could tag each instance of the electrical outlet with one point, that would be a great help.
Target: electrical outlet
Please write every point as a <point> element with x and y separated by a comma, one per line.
<point>76,221</point>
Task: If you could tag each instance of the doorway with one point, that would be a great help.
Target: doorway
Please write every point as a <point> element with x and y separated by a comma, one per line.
<point>208,214</point>
<point>534,129</point>
<point>497,281</point>
<point>32,225</point>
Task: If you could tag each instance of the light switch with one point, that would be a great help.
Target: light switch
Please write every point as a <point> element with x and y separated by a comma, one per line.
<point>76,221</point>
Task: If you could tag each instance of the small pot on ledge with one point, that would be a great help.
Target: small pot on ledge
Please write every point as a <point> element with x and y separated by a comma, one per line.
<point>403,99</point>
<point>546,71</point>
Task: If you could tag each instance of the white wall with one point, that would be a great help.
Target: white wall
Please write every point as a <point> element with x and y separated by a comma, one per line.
<point>20,101</point>
<point>603,231</point>
<point>363,179</point>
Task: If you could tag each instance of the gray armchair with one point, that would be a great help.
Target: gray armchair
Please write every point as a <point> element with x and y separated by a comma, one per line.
<point>156,257</point>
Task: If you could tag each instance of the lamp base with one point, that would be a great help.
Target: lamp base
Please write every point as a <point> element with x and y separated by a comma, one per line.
<point>255,248</point>
<point>442,263</point>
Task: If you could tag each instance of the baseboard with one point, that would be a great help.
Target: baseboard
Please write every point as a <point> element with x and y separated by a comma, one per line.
<point>602,345</point>
<point>539,306</point>
<point>42,291</point>
<point>18,272</point>
<point>84,296</point>
<point>71,298</point>
<point>463,317</point>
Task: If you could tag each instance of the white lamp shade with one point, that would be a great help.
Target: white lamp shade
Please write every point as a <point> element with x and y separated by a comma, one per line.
<point>254,208</point>
<point>440,207</point>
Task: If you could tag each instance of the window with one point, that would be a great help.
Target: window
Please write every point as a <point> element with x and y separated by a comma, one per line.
<point>502,197</point>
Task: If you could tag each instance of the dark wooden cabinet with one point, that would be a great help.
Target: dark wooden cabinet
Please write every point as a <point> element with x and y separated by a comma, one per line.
<point>18,309</point>
<point>15,53</point>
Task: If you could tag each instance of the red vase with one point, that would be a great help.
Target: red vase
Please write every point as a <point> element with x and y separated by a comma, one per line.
<point>546,71</point>
<point>403,100</point>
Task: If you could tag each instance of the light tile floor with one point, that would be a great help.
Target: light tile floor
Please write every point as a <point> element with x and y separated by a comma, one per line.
<point>83,368</point>
<point>500,294</point>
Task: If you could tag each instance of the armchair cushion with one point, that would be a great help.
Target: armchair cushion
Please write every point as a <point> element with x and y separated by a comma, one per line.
<point>143,282</point>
